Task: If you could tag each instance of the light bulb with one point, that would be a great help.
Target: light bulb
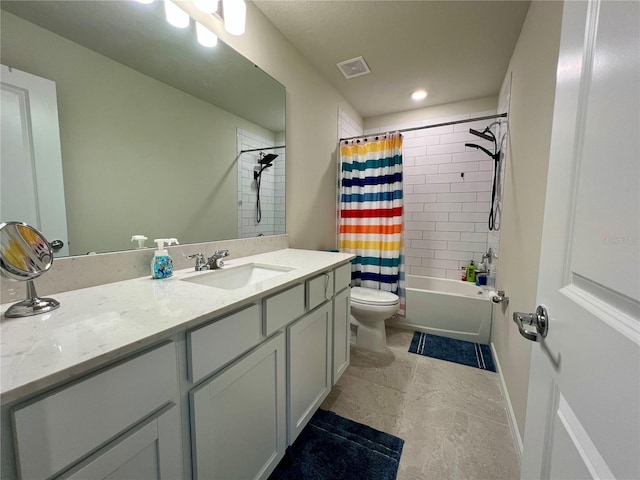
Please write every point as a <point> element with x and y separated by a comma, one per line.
<point>206,6</point>
<point>175,15</point>
<point>206,37</point>
<point>419,94</point>
<point>235,14</point>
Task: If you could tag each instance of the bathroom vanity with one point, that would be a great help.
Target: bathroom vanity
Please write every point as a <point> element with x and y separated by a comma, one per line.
<point>176,378</point>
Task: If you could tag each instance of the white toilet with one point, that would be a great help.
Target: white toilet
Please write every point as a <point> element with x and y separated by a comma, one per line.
<point>369,309</point>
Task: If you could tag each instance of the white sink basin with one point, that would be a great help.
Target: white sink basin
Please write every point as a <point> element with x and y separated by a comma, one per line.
<point>232,278</point>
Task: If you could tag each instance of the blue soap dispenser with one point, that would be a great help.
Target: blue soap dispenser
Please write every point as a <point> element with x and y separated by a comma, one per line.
<point>162,265</point>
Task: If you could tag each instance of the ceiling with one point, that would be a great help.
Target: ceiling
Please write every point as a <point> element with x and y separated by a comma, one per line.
<point>456,50</point>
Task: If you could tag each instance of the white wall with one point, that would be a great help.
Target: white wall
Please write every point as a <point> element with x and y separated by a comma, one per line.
<point>533,70</point>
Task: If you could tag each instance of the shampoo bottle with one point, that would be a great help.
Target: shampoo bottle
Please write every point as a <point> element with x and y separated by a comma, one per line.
<point>162,265</point>
<point>471,272</point>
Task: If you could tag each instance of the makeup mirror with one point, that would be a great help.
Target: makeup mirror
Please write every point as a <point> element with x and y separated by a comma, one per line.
<point>25,255</point>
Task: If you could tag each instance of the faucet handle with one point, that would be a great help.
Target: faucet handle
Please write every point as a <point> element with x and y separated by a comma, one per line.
<point>222,253</point>
<point>201,263</point>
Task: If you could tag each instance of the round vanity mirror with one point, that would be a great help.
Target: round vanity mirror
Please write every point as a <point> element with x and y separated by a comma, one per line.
<point>25,255</point>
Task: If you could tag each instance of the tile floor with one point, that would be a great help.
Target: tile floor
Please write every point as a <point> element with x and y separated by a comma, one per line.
<point>452,418</point>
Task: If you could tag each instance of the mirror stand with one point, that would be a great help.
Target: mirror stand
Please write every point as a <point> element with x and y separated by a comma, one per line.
<point>33,305</point>
<point>25,255</point>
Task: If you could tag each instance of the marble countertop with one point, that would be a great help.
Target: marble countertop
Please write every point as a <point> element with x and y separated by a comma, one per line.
<point>100,324</point>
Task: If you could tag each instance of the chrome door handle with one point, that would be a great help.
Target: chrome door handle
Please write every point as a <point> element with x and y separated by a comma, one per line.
<point>539,320</point>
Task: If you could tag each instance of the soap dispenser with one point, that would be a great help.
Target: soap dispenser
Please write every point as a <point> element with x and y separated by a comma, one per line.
<point>162,265</point>
<point>140,239</point>
<point>471,272</point>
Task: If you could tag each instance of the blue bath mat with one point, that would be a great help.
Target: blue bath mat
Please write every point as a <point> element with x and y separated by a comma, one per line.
<point>333,448</point>
<point>452,350</point>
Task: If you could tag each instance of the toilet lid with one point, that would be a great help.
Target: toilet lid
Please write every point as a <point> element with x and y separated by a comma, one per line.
<point>372,297</point>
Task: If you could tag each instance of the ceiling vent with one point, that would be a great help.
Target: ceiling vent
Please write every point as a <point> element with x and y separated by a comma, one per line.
<point>354,67</point>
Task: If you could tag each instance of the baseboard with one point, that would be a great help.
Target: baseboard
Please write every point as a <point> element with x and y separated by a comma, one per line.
<point>512,417</point>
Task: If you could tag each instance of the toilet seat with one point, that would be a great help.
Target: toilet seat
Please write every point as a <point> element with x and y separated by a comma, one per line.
<point>369,296</point>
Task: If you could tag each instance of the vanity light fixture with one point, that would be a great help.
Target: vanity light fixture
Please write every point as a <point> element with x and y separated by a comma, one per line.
<point>419,94</point>
<point>206,6</point>
<point>235,16</point>
<point>206,37</point>
<point>175,15</point>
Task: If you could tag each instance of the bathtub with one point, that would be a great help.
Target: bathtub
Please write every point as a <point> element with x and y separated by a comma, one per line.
<point>449,308</point>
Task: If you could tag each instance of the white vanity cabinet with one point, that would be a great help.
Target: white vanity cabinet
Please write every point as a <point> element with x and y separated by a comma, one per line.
<point>148,452</point>
<point>102,422</point>
<point>309,367</point>
<point>341,322</point>
<point>341,334</point>
<point>217,399</point>
<point>238,418</point>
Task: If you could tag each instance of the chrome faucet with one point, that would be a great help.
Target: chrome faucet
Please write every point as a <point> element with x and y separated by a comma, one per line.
<point>216,260</point>
<point>211,263</point>
<point>201,263</point>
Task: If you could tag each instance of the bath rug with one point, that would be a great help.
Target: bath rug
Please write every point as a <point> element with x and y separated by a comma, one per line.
<point>331,447</point>
<point>458,351</point>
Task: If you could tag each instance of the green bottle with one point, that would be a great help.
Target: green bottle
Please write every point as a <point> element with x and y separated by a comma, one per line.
<point>471,273</point>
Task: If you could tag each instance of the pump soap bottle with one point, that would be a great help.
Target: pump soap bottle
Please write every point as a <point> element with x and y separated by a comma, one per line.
<point>162,265</point>
<point>471,272</point>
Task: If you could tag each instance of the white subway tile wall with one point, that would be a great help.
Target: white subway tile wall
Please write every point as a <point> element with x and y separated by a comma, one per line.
<point>447,195</point>
<point>347,126</point>
<point>272,188</point>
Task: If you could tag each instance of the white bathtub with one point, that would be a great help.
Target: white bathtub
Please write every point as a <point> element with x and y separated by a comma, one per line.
<point>449,308</point>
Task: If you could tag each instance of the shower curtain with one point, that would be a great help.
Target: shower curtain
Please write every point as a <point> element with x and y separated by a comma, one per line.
<point>371,211</point>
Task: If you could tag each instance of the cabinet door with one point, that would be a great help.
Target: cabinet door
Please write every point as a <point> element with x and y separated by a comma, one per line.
<point>152,452</point>
<point>341,334</point>
<point>238,422</point>
<point>309,366</point>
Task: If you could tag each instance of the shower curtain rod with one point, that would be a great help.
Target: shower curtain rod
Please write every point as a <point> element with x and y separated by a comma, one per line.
<point>443,124</point>
<point>260,149</point>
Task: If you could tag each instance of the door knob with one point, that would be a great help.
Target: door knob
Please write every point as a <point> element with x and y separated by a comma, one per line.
<point>539,320</point>
<point>57,244</point>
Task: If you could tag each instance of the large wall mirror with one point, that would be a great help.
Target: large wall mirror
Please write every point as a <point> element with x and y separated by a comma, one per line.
<point>148,128</point>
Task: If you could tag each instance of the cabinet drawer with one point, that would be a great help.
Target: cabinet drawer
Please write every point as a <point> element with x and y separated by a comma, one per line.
<point>318,290</point>
<point>342,277</point>
<point>214,345</point>
<point>55,431</point>
<point>283,308</point>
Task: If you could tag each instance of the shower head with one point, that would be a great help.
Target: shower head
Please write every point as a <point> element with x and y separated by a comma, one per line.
<point>495,156</point>
<point>267,158</point>
<point>486,134</point>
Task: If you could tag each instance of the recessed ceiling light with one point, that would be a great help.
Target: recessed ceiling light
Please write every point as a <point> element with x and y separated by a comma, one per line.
<point>419,94</point>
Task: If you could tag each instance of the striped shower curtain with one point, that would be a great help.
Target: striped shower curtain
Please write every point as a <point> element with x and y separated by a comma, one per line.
<point>371,211</point>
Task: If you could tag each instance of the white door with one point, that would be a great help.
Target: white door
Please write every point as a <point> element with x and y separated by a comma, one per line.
<point>583,410</point>
<point>31,188</point>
